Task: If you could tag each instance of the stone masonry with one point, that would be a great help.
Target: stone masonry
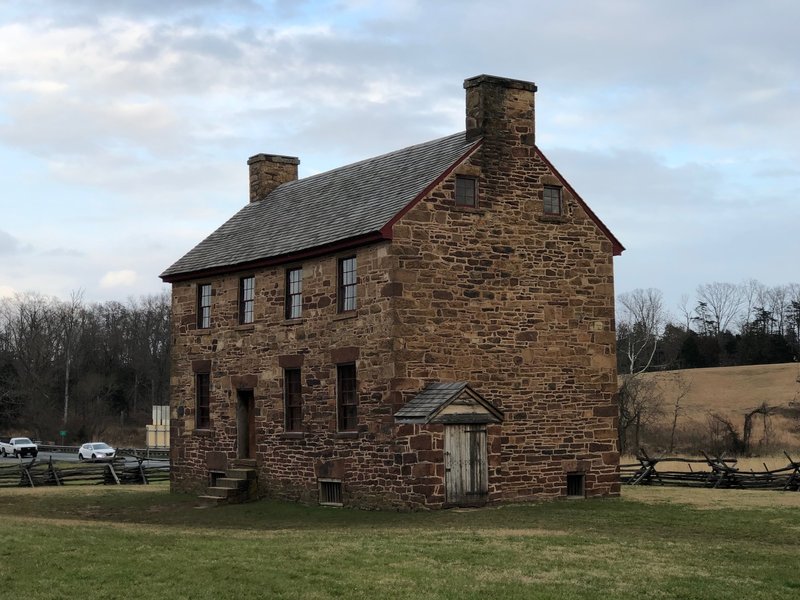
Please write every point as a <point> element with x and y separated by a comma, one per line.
<point>517,303</point>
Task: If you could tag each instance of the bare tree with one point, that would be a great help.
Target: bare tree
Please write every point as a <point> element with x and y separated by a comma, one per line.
<point>640,321</point>
<point>681,387</point>
<point>71,317</point>
<point>723,302</point>
<point>640,401</point>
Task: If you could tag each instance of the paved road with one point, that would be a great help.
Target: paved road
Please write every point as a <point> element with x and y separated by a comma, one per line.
<point>70,457</point>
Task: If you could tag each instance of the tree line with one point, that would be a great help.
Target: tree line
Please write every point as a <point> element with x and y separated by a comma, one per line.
<point>724,324</point>
<point>68,365</point>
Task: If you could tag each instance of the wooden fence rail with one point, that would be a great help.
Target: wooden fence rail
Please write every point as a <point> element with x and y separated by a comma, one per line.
<point>720,473</point>
<point>117,472</point>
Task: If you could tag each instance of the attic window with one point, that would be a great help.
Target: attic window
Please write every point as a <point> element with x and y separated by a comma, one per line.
<point>552,200</point>
<point>466,191</point>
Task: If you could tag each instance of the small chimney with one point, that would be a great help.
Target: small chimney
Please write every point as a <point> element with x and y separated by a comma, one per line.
<point>268,171</point>
<point>500,110</point>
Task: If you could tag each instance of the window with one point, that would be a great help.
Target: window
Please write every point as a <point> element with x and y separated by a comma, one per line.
<point>247,294</point>
<point>466,191</point>
<point>292,400</point>
<point>204,306</point>
<point>203,413</point>
<point>552,200</point>
<point>576,485</point>
<point>330,492</point>
<point>347,284</point>
<point>347,397</point>
<point>294,293</point>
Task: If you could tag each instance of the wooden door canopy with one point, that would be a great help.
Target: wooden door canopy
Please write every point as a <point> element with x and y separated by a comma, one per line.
<point>453,402</point>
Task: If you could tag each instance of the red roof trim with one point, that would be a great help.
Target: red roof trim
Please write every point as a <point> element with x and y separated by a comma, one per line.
<point>386,230</point>
<point>617,246</point>
<point>272,261</point>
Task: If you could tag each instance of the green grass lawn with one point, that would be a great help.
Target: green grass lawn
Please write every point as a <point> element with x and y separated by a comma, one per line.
<point>142,542</point>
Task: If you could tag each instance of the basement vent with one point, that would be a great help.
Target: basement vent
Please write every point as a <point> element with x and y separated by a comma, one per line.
<point>330,492</point>
<point>213,476</point>
<point>575,485</point>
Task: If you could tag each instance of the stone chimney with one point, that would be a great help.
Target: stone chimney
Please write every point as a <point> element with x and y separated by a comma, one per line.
<point>268,171</point>
<point>500,110</point>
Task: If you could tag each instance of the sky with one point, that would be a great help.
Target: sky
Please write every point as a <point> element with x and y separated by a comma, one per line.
<point>125,126</point>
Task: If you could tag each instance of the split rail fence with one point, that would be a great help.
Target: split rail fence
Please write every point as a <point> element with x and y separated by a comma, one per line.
<point>716,472</point>
<point>117,472</point>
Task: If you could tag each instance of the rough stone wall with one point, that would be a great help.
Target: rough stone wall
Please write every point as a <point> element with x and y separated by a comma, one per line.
<point>521,305</point>
<point>517,303</point>
<point>253,356</point>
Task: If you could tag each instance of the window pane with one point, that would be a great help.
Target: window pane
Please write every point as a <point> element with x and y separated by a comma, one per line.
<point>204,305</point>
<point>293,400</point>
<point>203,411</point>
<point>347,284</point>
<point>294,293</point>
<point>247,286</point>
<point>552,200</point>
<point>347,396</point>
<point>465,191</point>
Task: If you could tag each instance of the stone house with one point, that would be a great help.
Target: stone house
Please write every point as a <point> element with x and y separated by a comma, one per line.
<point>427,328</point>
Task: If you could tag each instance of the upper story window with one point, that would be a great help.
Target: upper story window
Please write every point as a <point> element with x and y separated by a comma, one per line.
<point>347,284</point>
<point>466,191</point>
<point>294,293</point>
<point>203,407</point>
<point>346,397</point>
<point>293,400</point>
<point>552,200</point>
<point>247,295</point>
<point>204,305</point>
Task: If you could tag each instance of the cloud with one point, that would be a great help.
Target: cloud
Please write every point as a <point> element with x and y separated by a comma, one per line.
<point>8,243</point>
<point>124,278</point>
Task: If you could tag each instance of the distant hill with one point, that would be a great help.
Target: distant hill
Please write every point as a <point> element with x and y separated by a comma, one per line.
<point>733,391</point>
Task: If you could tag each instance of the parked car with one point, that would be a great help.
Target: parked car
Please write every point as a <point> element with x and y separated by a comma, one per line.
<point>18,446</point>
<point>96,451</point>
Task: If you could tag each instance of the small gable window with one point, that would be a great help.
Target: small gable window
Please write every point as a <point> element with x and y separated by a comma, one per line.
<point>466,191</point>
<point>204,306</point>
<point>552,200</point>
<point>247,289</point>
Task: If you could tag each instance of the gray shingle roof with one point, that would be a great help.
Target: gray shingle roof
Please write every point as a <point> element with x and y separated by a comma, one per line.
<point>431,406</point>
<point>348,202</point>
<point>429,400</point>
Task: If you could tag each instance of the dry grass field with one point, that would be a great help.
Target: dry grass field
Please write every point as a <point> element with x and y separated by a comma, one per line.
<point>734,391</point>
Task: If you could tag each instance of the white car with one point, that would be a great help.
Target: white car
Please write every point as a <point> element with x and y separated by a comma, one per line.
<point>96,451</point>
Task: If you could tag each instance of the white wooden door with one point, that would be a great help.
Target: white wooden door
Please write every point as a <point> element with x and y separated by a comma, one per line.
<point>466,469</point>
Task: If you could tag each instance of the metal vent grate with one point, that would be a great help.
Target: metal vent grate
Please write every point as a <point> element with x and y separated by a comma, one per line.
<point>330,492</point>
<point>575,485</point>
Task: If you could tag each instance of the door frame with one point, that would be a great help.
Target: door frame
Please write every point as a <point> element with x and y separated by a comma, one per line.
<point>466,463</point>
<point>245,424</point>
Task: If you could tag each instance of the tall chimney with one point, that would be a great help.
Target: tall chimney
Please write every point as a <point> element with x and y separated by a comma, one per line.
<point>500,110</point>
<point>268,171</point>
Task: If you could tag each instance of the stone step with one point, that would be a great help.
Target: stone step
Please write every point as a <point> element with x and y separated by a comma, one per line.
<point>221,492</point>
<point>241,473</point>
<point>229,482</point>
<point>211,500</point>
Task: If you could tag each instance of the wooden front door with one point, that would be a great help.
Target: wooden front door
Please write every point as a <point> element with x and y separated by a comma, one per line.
<point>465,464</point>
<point>245,424</point>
